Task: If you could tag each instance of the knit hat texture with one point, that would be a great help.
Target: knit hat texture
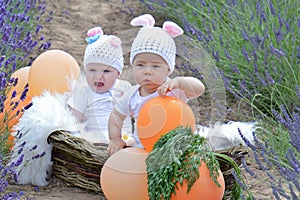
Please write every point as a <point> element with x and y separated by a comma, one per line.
<point>155,40</point>
<point>104,49</point>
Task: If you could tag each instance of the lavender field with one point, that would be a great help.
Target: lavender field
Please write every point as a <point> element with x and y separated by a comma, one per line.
<point>255,46</point>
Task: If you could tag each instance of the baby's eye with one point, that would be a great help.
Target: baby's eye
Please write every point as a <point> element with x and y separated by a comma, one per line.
<point>156,66</point>
<point>91,70</point>
<point>139,65</point>
<point>106,71</point>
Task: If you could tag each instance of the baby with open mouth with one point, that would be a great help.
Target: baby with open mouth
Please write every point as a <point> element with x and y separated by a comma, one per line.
<point>92,103</point>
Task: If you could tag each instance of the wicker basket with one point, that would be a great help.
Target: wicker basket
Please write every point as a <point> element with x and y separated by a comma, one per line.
<point>236,153</point>
<point>78,162</point>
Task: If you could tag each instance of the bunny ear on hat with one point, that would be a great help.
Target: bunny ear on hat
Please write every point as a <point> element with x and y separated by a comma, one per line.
<point>95,31</point>
<point>115,41</point>
<point>145,20</point>
<point>172,29</point>
<point>94,34</point>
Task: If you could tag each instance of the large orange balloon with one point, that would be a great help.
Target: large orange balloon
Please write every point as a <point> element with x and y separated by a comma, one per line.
<point>52,71</point>
<point>203,188</point>
<point>160,115</point>
<point>124,175</point>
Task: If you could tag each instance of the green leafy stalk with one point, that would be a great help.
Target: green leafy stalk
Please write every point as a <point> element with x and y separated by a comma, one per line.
<point>176,158</point>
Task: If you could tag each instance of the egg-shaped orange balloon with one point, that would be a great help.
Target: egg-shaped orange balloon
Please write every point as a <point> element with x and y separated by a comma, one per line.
<point>13,111</point>
<point>160,115</point>
<point>53,71</point>
<point>13,106</point>
<point>124,175</point>
<point>203,188</point>
<point>22,76</point>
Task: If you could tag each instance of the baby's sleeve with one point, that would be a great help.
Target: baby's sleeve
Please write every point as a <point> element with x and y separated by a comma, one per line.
<point>122,106</point>
<point>78,101</point>
<point>121,87</point>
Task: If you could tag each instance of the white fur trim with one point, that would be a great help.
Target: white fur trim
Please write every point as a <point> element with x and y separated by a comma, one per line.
<point>48,113</point>
<point>225,136</point>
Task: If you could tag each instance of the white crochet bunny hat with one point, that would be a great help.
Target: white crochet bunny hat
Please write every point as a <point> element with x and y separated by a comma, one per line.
<point>104,49</point>
<point>155,40</point>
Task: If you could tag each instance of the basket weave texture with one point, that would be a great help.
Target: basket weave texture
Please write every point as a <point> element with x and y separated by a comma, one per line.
<point>79,163</point>
<point>76,161</point>
<point>236,153</point>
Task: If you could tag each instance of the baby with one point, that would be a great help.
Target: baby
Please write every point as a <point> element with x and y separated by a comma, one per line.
<point>93,103</point>
<point>152,56</point>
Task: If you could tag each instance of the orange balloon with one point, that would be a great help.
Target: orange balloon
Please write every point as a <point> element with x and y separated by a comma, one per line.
<point>124,175</point>
<point>160,115</point>
<point>22,76</point>
<point>13,110</point>
<point>10,142</point>
<point>10,116</point>
<point>203,188</point>
<point>52,71</point>
<point>12,113</point>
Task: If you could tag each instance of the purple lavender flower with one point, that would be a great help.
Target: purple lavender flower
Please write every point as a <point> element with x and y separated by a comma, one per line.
<point>248,170</point>
<point>39,155</point>
<point>33,148</point>
<point>297,91</point>
<point>276,51</point>
<point>245,54</point>
<point>28,106</point>
<point>272,9</point>
<point>227,54</point>
<point>238,180</point>
<point>20,160</point>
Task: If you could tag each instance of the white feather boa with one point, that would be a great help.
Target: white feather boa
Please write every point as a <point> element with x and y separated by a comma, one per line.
<point>48,113</point>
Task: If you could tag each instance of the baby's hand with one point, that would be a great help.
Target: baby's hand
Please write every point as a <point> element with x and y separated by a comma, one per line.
<point>115,145</point>
<point>168,86</point>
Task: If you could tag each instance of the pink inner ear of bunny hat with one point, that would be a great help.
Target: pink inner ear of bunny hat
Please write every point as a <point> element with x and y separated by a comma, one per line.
<point>94,31</point>
<point>172,29</point>
<point>145,20</point>
<point>115,41</point>
<point>148,20</point>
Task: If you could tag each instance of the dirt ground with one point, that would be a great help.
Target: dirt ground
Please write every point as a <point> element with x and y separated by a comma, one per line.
<point>67,32</point>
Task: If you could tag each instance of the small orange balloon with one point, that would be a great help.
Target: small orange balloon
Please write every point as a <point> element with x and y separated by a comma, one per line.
<point>52,71</point>
<point>22,76</point>
<point>203,188</point>
<point>124,175</point>
<point>13,106</point>
<point>10,142</point>
<point>13,111</point>
<point>160,115</point>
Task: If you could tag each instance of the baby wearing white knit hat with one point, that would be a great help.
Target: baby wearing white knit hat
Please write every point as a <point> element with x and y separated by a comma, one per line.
<point>155,40</point>
<point>92,103</point>
<point>104,49</point>
<point>152,56</point>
